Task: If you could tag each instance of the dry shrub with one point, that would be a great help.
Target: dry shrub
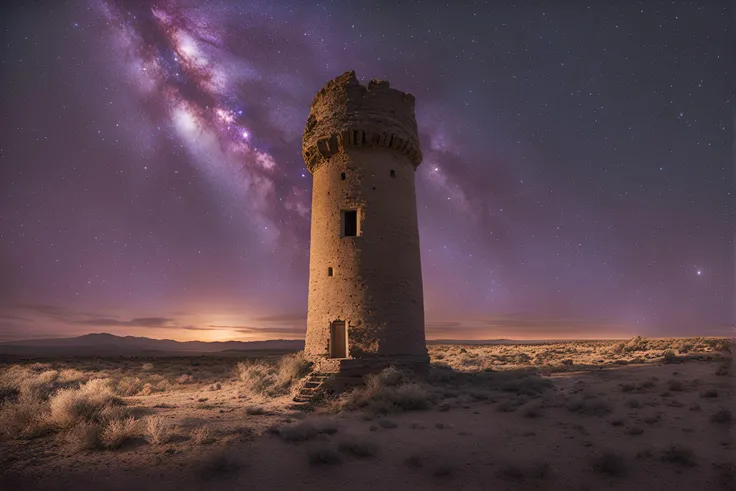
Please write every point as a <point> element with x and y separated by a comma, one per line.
<point>37,381</point>
<point>532,410</point>
<point>414,460</point>
<point>203,435</point>
<point>147,390</point>
<point>647,384</point>
<point>669,356</point>
<point>388,391</point>
<point>264,378</point>
<point>444,470</point>
<point>511,472</point>
<point>359,448</point>
<point>595,407</point>
<point>610,463</point>
<point>158,430</point>
<point>679,455</point>
<point>439,373</point>
<point>304,431</point>
<point>387,424</point>
<point>118,431</point>
<point>26,418</point>
<point>147,367</point>
<point>69,406</point>
<point>217,465</point>
<point>129,386</point>
<point>563,356</point>
<point>292,368</point>
<point>542,470</point>
<point>722,416</point>
<point>633,403</point>
<point>324,456</point>
<point>709,393</point>
<point>184,378</point>
<point>84,436</point>
<point>676,386</point>
<point>510,405</point>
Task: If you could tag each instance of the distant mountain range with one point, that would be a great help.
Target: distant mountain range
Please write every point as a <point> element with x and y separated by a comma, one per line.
<point>100,344</point>
<point>109,344</point>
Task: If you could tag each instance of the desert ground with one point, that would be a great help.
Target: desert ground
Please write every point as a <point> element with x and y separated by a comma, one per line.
<point>653,414</point>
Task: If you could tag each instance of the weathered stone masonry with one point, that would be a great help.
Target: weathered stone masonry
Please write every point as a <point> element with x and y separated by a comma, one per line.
<point>361,145</point>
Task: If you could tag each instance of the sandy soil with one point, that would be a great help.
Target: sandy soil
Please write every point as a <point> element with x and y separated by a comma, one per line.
<point>584,433</point>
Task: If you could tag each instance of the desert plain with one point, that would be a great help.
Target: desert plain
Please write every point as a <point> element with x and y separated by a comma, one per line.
<point>654,414</point>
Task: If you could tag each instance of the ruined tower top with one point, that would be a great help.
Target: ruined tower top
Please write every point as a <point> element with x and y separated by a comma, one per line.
<point>345,113</point>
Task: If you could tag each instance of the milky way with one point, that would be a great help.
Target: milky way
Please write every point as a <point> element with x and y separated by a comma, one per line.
<point>577,181</point>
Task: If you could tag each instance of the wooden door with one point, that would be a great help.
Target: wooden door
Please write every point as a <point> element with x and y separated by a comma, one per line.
<point>338,340</point>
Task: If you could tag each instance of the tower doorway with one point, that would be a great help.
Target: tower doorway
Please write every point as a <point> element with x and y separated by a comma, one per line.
<point>338,340</point>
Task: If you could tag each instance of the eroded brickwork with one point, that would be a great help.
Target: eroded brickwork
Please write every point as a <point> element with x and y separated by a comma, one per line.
<point>361,145</point>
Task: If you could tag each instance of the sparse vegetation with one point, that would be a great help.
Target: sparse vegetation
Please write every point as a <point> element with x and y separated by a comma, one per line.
<point>709,393</point>
<point>87,403</point>
<point>158,430</point>
<point>91,405</point>
<point>203,435</point>
<point>273,379</point>
<point>610,463</point>
<point>358,448</point>
<point>389,391</point>
<point>669,356</point>
<point>532,410</point>
<point>444,471</point>
<point>676,386</point>
<point>84,436</point>
<point>511,472</point>
<point>679,455</point>
<point>578,354</point>
<point>595,407</point>
<point>323,456</point>
<point>254,411</point>
<point>303,431</point>
<point>118,431</point>
<point>722,416</point>
<point>414,460</point>
<point>218,464</point>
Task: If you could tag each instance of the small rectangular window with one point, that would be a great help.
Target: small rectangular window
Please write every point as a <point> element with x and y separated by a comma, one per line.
<point>350,223</point>
<point>329,271</point>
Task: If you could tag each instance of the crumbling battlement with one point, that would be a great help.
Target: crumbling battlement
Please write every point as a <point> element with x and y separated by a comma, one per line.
<point>345,113</point>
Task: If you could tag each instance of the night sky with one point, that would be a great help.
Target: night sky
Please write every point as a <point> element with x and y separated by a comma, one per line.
<point>577,182</point>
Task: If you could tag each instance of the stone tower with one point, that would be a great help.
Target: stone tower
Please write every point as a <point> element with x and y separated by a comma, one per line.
<point>366,305</point>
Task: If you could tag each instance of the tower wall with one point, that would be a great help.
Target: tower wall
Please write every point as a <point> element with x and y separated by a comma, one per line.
<point>361,146</point>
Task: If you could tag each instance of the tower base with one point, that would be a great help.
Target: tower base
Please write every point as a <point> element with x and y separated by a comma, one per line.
<point>357,368</point>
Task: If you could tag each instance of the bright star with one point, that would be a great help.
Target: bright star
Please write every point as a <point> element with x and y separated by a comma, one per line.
<point>246,134</point>
<point>699,272</point>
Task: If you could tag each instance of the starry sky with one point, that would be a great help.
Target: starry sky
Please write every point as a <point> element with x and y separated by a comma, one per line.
<point>578,174</point>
